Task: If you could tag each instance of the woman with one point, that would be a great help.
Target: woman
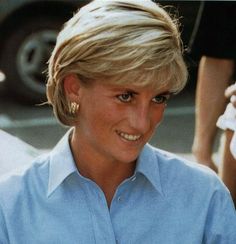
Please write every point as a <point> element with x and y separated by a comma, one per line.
<point>114,67</point>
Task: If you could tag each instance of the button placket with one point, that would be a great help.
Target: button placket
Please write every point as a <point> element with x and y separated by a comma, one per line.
<point>119,198</point>
<point>103,229</point>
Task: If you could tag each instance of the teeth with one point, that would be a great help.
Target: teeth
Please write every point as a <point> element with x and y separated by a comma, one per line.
<point>130,137</point>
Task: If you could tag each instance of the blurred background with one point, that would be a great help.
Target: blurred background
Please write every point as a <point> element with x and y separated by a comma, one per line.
<point>28,30</point>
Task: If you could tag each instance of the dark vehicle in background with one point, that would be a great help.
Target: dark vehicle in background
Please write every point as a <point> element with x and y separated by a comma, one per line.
<point>28,30</point>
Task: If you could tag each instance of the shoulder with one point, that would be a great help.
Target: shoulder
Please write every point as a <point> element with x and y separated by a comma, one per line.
<point>167,160</point>
<point>188,183</point>
<point>180,173</point>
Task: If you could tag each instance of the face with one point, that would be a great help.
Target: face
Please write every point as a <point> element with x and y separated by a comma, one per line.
<point>116,121</point>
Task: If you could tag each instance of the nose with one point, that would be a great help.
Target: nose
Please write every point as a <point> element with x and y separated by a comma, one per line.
<point>145,118</point>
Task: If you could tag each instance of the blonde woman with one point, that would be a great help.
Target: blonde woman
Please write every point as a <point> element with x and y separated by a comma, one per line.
<point>114,67</point>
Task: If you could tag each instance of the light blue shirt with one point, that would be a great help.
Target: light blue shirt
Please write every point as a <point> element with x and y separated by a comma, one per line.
<point>167,201</point>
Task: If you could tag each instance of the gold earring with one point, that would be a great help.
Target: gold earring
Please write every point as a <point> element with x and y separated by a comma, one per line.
<point>73,108</point>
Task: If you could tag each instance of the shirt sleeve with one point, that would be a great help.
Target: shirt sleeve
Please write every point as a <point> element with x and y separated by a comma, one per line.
<point>221,219</point>
<point>3,229</point>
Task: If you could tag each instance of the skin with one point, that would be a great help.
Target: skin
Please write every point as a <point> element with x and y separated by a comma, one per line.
<point>214,75</point>
<point>114,123</point>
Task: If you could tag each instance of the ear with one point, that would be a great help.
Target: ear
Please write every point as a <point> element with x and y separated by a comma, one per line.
<point>72,87</point>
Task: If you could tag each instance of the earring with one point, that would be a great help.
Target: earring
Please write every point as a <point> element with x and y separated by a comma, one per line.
<point>73,107</point>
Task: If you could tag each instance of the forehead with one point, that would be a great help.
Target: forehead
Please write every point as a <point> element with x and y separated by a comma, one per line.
<point>104,87</point>
<point>142,83</point>
<point>155,81</point>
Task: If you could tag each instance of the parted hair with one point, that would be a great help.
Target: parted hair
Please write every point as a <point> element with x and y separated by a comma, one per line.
<point>119,41</point>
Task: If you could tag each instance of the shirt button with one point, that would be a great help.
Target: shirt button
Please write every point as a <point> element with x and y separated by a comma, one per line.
<point>119,199</point>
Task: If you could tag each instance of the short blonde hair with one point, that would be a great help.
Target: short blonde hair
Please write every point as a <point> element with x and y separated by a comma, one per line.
<point>120,41</point>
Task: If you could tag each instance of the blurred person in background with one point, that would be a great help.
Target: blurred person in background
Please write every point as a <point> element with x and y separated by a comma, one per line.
<point>114,66</point>
<point>15,153</point>
<point>216,42</point>
<point>227,122</point>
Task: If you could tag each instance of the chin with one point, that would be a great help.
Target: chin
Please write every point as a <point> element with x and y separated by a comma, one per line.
<point>128,157</point>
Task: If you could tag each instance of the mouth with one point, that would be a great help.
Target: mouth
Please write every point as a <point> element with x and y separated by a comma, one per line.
<point>129,137</point>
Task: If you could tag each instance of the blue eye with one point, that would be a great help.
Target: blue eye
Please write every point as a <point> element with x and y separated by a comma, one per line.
<point>160,99</point>
<point>125,97</point>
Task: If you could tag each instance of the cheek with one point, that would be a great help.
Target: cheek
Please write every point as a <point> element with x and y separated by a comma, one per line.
<point>101,117</point>
<point>158,115</point>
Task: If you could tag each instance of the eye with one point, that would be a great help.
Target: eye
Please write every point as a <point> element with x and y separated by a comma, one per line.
<point>160,99</point>
<point>125,97</point>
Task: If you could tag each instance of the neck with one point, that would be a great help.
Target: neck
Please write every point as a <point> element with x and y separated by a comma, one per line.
<point>107,174</point>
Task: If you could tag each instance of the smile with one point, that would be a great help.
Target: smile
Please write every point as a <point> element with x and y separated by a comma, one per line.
<point>129,137</point>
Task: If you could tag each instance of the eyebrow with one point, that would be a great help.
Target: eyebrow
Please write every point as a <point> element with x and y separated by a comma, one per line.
<point>131,90</point>
<point>166,93</point>
<point>121,88</point>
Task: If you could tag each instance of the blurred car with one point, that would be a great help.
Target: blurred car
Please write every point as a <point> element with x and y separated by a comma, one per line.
<point>28,30</point>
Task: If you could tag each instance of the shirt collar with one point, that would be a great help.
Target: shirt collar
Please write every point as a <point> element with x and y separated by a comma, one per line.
<point>61,163</point>
<point>148,165</point>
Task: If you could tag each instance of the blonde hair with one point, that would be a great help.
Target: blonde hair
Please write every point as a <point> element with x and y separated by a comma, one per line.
<point>119,41</point>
